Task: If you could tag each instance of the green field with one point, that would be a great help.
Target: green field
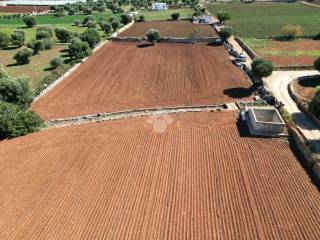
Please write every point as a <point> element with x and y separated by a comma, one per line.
<point>267,19</point>
<point>164,15</point>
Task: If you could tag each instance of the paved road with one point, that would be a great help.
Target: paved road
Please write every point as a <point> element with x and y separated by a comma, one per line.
<point>278,84</point>
<point>310,4</point>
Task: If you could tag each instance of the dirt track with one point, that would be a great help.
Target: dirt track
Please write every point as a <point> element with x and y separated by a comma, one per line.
<point>100,181</point>
<point>169,29</point>
<point>122,76</point>
<point>23,9</point>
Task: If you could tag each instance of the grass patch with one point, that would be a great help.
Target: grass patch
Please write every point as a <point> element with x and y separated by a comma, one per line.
<point>37,68</point>
<point>267,19</point>
<point>165,15</point>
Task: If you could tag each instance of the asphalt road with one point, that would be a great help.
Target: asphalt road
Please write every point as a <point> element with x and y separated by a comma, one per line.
<point>278,85</point>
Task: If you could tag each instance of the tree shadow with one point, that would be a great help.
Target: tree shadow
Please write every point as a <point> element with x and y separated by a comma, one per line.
<point>304,121</point>
<point>283,39</point>
<point>145,45</point>
<point>214,44</point>
<point>14,65</point>
<point>11,48</point>
<point>65,50</point>
<point>309,81</point>
<point>48,69</point>
<point>238,92</point>
<point>243,129</point>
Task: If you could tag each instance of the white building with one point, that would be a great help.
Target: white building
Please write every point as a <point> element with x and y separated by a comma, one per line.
<point>159,6</point>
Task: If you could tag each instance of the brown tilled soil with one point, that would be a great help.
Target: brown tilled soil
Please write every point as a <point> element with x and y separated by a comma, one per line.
<point>306,88</point>
<point>122,76</point>
<point>23,9</point>
<point>122,180</point>
<point>291,52</point>
<point>169,29</point>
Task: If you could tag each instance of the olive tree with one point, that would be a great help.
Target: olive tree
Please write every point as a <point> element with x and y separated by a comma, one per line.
<point>261,68</point>
<point>153,35</point>
<point>4,40</point>
<point>18,37</point>
<point>225,33</point>
<point>223,16</point>
<point>23,56</point>
<point>30,21</point>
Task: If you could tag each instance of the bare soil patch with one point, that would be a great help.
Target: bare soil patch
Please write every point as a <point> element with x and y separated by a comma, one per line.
<point>170,29</point>
<point>122,76</point>
<point>199,179</point>
<point>306,87</point>
<point>298,52</point>
<point>23,9</point>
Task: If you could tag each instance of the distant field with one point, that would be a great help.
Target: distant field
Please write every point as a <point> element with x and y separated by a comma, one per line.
<point>267,19</point>
<point>284,53</point>
<point>164,15</point>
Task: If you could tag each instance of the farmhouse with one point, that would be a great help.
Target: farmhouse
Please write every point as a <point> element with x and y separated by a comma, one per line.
<point>159,6</point>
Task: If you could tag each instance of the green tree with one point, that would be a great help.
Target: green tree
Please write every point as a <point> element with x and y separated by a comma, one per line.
<point>125,19</point>
<point>106,27</point>
<point>15,121</point>
<point>30,21</point>
<point>4,40</point>
<point>23,56</point>
<point>115,25</point>
<point>91,36</point>
<point>261,68</point>
<point>223,16</point>
<point>175,16</point>
<point>63,35</point>
<point>225,33</point>
<point>18,37</point>
<point>153,35</point>
<point>56,62</point>
<point>316,64</point>
<point>79,49</point>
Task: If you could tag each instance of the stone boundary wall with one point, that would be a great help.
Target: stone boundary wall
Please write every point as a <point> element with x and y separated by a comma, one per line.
<point>246,48</point>
<point>108,116</point>
<point>301,105</point>
<point>72,69</point>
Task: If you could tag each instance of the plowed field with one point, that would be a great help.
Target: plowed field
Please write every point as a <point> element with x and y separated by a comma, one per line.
<point>122,180</point>
<point>122,76</point>
<point>169,29</point>
<point>23,9</point>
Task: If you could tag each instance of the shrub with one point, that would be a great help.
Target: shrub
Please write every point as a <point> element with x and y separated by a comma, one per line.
<point>38,45</point>
<point>87,11</point>
<point>17,91</point>
<point>18,37</point>
<point>44,32</point>
<point>87,19</point>
<point>72,11</point>
<point>106,27</point>
<point>175,16</point>
<point>63,35</point>
<point>23,56</point>
<point>141,18</point>
<point>125,19</point>
<point>316,64</point>
<point>223,16</point>
<point>315,102</point>
<point>115,25</point>
<point>91,36</point>
<point>91,24</point>
<point>153,35</point>
<point>292,31</point>
<point>56,62</point>
<point>77,22</point>
<point>48,43</point>
<point>261,68</point>
<point>225,33</point>
<point>317,36</point>
<point>15,121</point>
<point>79,49</point>
<point>4,40</point>
<point>30,21</point>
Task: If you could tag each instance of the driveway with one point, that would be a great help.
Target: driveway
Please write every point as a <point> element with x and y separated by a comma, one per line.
<point>278,85</point>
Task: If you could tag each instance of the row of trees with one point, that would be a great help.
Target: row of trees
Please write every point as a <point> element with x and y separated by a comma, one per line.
<point>15,97</point>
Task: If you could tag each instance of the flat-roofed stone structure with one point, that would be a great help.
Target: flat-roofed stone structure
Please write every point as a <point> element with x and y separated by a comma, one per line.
<point>264,121</point>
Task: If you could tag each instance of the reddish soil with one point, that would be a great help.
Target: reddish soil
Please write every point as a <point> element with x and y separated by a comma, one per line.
<point>169,29</point>
<point>287,46</point>
<point>198,180</point>
<point>306,88</point>
<point>23,9</point>
<point>122,76</point>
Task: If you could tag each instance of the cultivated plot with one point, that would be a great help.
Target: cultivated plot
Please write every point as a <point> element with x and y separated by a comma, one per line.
<point>123,76</point>
<point>170,29</point>
<point>23,9</point>
<point>199,179</point>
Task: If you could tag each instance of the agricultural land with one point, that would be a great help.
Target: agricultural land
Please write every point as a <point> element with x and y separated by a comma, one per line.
<point>170,29</point>
<point>124,76</point>
<point>101,181</point>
